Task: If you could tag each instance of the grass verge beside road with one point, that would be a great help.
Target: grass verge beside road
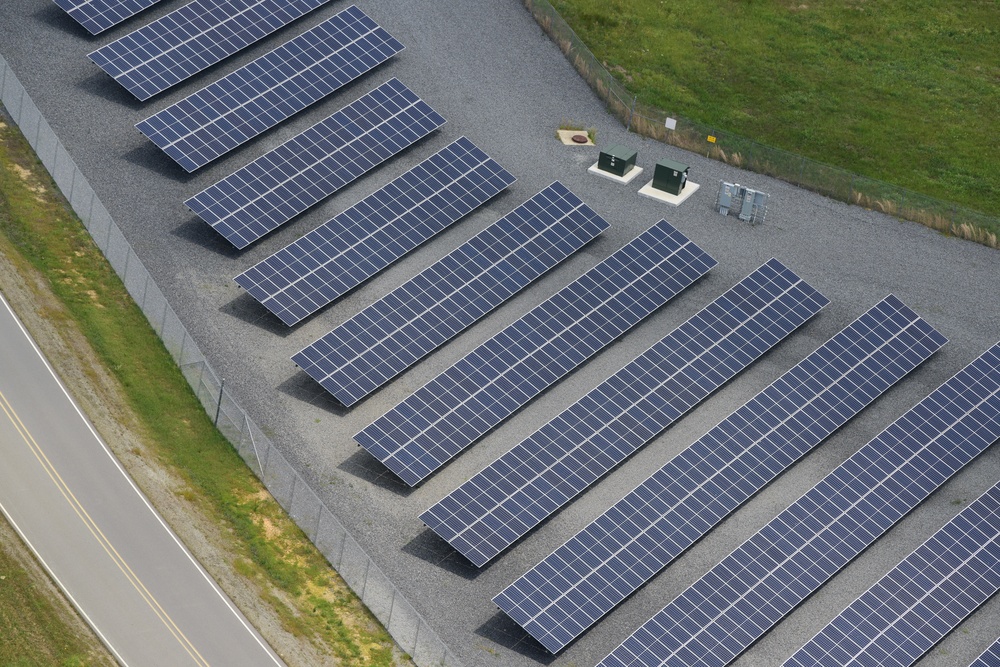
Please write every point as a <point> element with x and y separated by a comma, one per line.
<point>37,625</point>
<point>903,92</point>
<point>70,295</point>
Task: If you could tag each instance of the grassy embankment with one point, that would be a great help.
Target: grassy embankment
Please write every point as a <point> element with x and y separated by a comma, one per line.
<point>37,626</point>
<point>51,250</point>
<point>904,92</point>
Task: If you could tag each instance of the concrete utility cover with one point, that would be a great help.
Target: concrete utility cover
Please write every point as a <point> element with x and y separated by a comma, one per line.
<point>568,137</point>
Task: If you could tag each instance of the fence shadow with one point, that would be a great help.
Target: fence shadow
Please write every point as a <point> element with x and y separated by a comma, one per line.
<point>289,488</point>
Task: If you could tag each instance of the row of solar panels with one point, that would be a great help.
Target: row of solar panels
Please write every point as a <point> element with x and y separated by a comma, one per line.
<point>516,493</point>
<point>909,610</point>
<point>618,553</point>
<point>268,90</point>
<point>530,482</point>
<point>583,580</point>
<point>565,594</point>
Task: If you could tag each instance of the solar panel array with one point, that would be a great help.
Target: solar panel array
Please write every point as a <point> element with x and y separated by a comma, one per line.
<point>338,255</point>
<point>96,16</point>
<point>920,600</point>
<point>258,96</point>
<point>568,591</point>
<point>389,336</point>
<point>485,387</point>
<point>198,35</point>
<point>311,166</point>
<point>753,588</point>
<point>990,657</point>
<point>519,490</point>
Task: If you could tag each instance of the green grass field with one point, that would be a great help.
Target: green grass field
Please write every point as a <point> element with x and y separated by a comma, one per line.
<point>905,92</point>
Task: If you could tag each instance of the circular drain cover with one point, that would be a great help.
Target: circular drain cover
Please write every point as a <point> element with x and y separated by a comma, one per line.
<point>580,138</point>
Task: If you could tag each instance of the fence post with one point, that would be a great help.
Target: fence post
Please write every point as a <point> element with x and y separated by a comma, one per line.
<point>11,88</point>
<point>628,127</point>
<point>218,406</point>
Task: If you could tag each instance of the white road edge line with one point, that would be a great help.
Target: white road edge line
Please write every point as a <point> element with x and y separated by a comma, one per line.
<point>59,583</point>
<point>149,506</point>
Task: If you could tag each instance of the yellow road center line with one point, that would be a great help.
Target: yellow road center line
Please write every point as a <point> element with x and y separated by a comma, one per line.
<point>95,530</point>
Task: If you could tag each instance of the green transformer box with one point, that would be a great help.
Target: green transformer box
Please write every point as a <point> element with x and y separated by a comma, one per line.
<point>617,160</point>
<point>670,176</point>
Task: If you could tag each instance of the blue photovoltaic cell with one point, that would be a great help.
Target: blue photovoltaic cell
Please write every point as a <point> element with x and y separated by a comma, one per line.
<point>566,593</point>
<point>192,38</point>
<point>338,255</point>
<point>96,16</point>
<point>485,387</point>
<point>258,96</point>
<point>990,657</point>
<point>753,588</point>
<point>920,600</point>
<point>423,313</point>
<point>519,490</point>
<point>311,166</point>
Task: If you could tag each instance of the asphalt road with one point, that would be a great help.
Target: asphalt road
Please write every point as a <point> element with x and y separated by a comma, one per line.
<point>97,535</point>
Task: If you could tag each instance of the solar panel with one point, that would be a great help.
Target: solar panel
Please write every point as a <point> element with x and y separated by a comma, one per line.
<point>519,490</point>
<point>96,16</point>
<point>338,255</point>
<point>258,96</point>
<point>393,333</point>
<point>485,387</point>
<point>198,35</point>
<point>567,592</point>
<point>314,164</point>
<point>990,657</point>
<point>753,588</point>
<point>919,601</point>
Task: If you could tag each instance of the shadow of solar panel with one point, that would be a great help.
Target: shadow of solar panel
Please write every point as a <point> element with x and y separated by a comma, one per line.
<point>919,601</point>
<point>338,255</point>
<point>96,16</point>
<point>395,332</point>
<point>258,96</point>
<point>519,490</point>
<point>990,657</point>
<point>198,35</point>
<point>311,166</point>
<point>485,387</point>
<point>737,601</point>
<point>567,592</point>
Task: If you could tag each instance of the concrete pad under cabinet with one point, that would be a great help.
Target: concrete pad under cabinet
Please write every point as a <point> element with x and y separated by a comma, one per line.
<point>674,200</point>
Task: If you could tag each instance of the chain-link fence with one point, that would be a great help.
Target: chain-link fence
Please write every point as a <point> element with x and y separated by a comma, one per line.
<point>311,514</point>
<point>738,151</point>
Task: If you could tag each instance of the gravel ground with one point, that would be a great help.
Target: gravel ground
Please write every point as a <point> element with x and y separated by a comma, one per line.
<point>487,68</point>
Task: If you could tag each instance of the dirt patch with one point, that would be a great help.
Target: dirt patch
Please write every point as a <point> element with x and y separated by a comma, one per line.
<point>28,177</point>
